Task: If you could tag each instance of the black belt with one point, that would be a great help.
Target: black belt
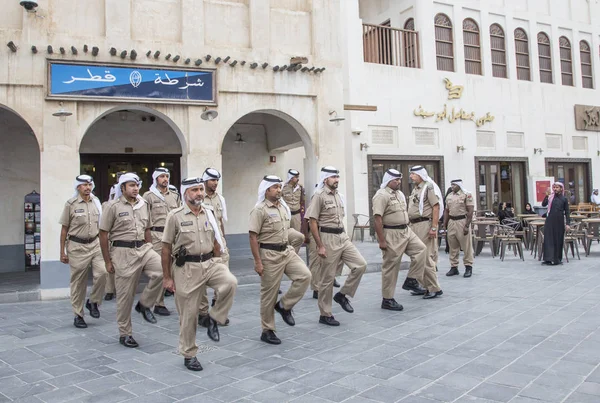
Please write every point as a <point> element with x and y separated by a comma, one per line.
<point>401,226</point>
<point>457,217</point>
<point>296,212</point>
<point>420,219</point>
<point>81,240</point>
<point>200,258</point>
<point>279,247</point>
<point>128,244</point>
<point>157,229</point>
<point>331,230</point>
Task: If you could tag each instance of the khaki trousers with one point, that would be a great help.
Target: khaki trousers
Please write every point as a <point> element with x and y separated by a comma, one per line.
<point>400,241</point>
<point>275,265</point>
<point>296,222</point>
<point>81,257</point>
<point>157,247</point>
<point>190,282</point>
<point>295,238</point>
<point>429,276</point>
<point>129,263</point>
<point>338,248</point>
<point>314,264</point>
<point>109,287</point>
<point>203,307</point>
<point>457,240</point>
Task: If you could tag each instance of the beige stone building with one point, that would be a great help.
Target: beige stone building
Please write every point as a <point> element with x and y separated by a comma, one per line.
<point>274,112</point>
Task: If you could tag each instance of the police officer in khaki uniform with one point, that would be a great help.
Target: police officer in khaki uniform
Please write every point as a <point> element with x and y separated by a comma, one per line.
<point>274,257</point>
<point>109,289</point>
<point>293,195</point>
<point>216,202</point>
<point>457,221</point>
<point>192,236</point>
<point>126,223</point>
<point>79,220</point>
<point>161,200</point>
<point>396,238</point>
<point>424,207</point>
<point>326,213</point>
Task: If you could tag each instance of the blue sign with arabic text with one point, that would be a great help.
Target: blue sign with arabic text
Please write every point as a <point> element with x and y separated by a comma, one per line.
<point>118,83</point>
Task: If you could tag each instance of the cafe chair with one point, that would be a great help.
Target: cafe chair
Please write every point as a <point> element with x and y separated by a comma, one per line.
<point>361,222</point>
<point>572,241</point>
<point>592,233</point>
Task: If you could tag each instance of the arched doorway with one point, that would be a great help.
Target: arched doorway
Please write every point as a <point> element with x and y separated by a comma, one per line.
<point>248,150</point>
<point>133,139</point>
<point>19,176</point>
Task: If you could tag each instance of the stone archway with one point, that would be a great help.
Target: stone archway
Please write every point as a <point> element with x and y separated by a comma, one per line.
<point>265,134</point>
<point>131,138</point>
<point>19,176</point>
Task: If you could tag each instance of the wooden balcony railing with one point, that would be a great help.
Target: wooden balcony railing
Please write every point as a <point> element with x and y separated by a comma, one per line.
<point>393,46</point>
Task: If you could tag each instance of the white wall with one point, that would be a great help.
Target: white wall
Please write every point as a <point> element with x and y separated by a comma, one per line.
<point>19,174</point>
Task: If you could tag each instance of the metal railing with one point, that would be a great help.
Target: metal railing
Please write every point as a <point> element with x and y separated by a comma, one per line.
<point>392,46</point>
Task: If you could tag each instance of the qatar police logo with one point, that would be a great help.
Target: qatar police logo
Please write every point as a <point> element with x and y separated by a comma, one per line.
<point>135,78</point>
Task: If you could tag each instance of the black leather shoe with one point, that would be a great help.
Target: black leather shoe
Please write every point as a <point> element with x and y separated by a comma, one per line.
<point>202,320</point>
<point>431,295</point>
<point>411,284</point>
<point>213,302</point>
<point>212,329</point>
<point>93,308</point>
<point>343,301</point>
<point>316,294</point>
<point>161,310</point>
<point>453,272</point>
<point>468,271</point>
<point>78,322</point>
<point>335,283</point>
<point>328,320</point>
<point>109,296</point>
<point>146,313</point>
<point>128,341</point>
<point>286,314</point>
<point>391,304</point>
<point>168,293</point>
<point>268,336</point>
<point>192,364</point>
<point>280,292</point>
<point>547,263</point>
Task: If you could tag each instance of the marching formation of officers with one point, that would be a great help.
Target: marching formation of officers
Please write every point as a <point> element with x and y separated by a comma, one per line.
<point>176,237</point>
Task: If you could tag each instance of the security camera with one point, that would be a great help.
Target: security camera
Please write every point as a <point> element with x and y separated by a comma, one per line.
<point>29,5</point>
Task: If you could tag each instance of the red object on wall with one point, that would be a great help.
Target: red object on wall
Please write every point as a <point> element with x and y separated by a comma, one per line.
<point>540,190</point>
<point>272,158</point>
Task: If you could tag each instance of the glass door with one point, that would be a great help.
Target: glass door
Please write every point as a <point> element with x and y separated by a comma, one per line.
<point>501,182</point>
<point>574,177</point>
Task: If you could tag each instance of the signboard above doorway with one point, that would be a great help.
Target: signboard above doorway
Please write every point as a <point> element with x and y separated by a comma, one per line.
<point>130,83</point>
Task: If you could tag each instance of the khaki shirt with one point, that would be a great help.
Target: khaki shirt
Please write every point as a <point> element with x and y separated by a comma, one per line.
<point>80,217</point>
<point>270,222</point>
<point>457,203</point>
<point>292,197</point>
<point>184,228</point>
<point>327,208</point>
<point>215,202</point>
<point>431,200</point>
<point>160,208</point>
<point>123,223</point>
<point>391,206</point>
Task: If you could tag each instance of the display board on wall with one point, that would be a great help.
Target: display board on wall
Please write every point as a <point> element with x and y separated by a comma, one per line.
<point>541,185</point>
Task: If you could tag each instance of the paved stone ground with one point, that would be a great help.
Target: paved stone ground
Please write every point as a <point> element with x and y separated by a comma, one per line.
<point>515,332</point>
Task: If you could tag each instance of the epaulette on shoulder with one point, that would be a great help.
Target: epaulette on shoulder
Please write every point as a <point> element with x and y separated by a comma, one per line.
<point>72,200</point>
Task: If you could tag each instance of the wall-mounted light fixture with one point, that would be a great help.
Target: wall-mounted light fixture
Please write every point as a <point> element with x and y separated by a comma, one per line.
<point>335,118</point>
<point>62,113</point>
<point>460,148</point>
<point>209,114</point>
<point>364,146</point>
<point>357,131</point>
<point>239,140</point>
<point>537,151</point>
